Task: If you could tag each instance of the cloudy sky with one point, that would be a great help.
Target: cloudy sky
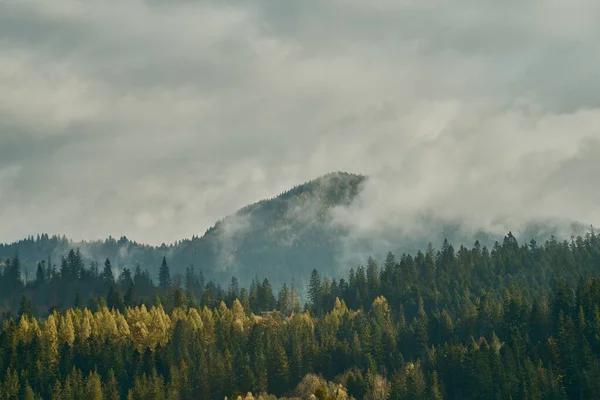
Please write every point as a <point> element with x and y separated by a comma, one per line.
<point>152,119</point>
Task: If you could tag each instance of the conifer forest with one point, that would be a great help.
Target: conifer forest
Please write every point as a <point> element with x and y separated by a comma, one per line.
<point>518,320</point>
<point>299,200</point>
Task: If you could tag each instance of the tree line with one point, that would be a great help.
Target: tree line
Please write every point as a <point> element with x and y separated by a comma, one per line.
<point>514,321</point>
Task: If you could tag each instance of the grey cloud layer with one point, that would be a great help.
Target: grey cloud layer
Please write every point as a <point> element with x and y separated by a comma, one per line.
<point>153,119</point>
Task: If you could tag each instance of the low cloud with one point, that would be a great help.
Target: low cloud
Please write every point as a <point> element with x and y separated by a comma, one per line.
<point>155,120</point>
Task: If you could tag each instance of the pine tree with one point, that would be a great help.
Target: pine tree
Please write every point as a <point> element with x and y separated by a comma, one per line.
<point>57,392</point>
<point>435,391</point>
<point>114,299</point>
<point>284,300</point>
<point>93,387</point>
<point>234,288</point>
<point>126,279</point>
<point>295,299</point>
<point>74,264</point>
<point>28,393</point>
<point>260,372</point>
<point>189,281</point>
<point>107,273</point>
<point>179,298</point>
<point>164,275</point>
<point>40,274</point>
<point>130,296</point>
<point>279,374</point>
<point>14,270</point>
<point>266,299</point>
<point>111,389</point>
<point>415,382</point>
<point>372,278</point>
<point>65,273</point>
<point>314,288</point>
<point>11,385</point>
<point>26,307</point>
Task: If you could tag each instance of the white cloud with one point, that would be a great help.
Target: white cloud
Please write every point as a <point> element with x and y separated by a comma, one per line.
<point>153,120</point>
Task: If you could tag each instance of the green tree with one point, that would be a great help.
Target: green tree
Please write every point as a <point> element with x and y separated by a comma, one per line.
<point>266,299</point>
<point>26,307</point>
<point>164,275</point>
<point>111,389</point>
<point>28,393</point>
<point>435,392</point>
<point>107,273</point>
<point>314,288</point>
<point>93,387</point>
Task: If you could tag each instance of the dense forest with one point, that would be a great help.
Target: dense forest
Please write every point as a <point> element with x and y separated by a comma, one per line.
<point>282,238</point>
<point>517,321</point>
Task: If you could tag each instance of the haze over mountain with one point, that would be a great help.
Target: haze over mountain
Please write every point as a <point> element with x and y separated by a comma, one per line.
<point>313,225</point>
<point>155,119</point>
<point>204,136</point>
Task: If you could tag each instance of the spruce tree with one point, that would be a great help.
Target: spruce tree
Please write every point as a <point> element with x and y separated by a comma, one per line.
<point>107,273</point>
<point>164,275</point>
<point>314,288</point>
<point>26,307</point>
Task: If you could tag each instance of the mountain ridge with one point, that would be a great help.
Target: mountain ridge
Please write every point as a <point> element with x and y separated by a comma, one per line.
<point>282,238</point>
<point>283,214</point>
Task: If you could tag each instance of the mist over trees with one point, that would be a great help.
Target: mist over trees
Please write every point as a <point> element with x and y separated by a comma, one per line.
<point>267,304</point>
<point>282,238</point>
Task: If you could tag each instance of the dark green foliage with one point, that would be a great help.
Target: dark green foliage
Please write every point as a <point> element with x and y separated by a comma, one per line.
<point>290,232</point>
<point>164,275</point>
<point>107,273</point>
<point>26,308</point>
<point>464,324</point>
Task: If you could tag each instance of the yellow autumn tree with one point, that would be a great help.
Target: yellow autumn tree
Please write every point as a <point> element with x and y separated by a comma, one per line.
<point>209,325</point>
<point>106,324</point>
<point>195,320</point>
<point>23,330</point>
<point>93,387</point>
<point>66,330</point>
<point>50,342</point>
<point>123,331</point>
<point>83,329</point>
<point>240,320</point>
<point>158,328</point>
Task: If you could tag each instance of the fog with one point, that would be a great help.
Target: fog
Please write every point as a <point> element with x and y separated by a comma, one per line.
<point>155,119</point>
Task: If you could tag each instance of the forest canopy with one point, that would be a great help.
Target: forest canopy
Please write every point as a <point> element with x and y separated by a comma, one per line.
<point>516,320</point>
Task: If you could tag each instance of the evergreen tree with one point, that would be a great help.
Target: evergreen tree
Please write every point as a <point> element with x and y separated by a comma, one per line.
<point>435,391</point>
<point>164,275</point>
<point>111,389</point>
<point>107,273</point>
<point>26,307</point>
<point>266,299</point>
<point>314,288</point>
<point>40,274</point>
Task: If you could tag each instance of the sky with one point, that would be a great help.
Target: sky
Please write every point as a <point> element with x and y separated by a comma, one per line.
<point>154,119</point>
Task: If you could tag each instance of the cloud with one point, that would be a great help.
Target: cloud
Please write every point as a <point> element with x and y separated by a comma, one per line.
<point>155,119</point>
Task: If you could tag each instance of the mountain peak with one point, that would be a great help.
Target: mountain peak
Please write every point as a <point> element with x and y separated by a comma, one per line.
<point>322,185</point>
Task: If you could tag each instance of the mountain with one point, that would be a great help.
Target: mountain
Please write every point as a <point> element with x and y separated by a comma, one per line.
<point>282,238</point>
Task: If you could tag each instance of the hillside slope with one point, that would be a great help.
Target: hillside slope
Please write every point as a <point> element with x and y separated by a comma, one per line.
<point>283,238</point>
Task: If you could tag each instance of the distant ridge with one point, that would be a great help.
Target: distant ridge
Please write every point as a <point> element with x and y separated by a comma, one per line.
<point>282,238</point>
<point>285,233</point>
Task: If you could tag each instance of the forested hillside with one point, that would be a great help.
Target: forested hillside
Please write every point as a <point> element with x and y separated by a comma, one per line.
<point>513,321</point>
<point>284,238</point>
